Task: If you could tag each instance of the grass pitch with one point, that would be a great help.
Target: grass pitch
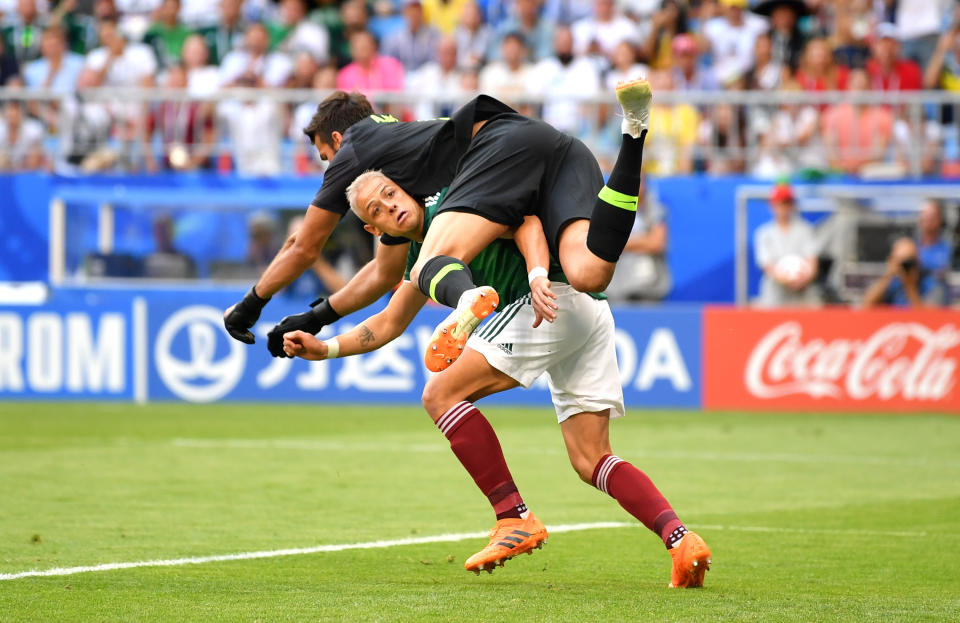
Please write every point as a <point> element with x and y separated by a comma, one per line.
<point>810,517</point>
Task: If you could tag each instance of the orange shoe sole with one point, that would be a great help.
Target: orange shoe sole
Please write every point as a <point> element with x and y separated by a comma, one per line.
<point>450,337</point>
<point>626,84</point>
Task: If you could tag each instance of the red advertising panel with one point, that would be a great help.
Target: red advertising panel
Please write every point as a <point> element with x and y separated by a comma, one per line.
<point>834,359</point>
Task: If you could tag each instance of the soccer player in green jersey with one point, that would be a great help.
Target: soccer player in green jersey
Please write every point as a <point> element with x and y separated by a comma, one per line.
<point>575,349</point>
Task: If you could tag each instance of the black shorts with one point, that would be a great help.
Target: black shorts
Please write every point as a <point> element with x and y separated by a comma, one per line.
<point>516,166</point>
<point>571,194</point>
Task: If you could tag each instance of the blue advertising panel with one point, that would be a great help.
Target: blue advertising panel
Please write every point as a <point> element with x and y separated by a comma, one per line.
<point>67,352</point>
<point>166,347</point>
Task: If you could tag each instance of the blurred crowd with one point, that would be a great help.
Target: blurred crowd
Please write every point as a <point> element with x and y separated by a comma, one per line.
<point>543,56</point>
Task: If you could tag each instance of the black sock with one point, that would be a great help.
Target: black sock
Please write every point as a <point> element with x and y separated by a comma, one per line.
<point>616,208</point>
<point>444,279</point>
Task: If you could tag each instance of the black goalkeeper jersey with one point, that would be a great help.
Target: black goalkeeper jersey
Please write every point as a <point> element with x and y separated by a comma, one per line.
<point>420,156</point>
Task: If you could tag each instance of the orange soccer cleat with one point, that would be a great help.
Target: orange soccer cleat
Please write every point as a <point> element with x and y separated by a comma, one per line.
<point>691,560</point>
<point>508,538</point>
<point>451,335</point>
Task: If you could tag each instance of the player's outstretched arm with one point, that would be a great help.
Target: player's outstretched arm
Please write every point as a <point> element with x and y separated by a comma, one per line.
<point>369,335</point>
<point>298,254</point>
<point>370,283</point>
<point>373,280</point>
<point>532,243</point>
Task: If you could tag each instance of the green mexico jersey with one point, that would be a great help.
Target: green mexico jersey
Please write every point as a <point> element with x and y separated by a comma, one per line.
<point>500,265</point>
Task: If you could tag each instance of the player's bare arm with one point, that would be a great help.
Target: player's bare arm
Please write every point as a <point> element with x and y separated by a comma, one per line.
<point>370,283</point>
<point>375,279</point>
<point>369,335</point>
<point>532,243</point>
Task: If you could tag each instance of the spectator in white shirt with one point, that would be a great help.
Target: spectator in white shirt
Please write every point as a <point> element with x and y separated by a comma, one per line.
<point>256,130</point>
<point>305,35</point>
<point>562,78</point>
<point>438,82</point>
<point>135,16</point>
<point>21,140</point>
<point>122,64</point>
<point>202,77</point>
<point>789,139</point>
<point>267,69</point>
<point>625,67</point>
<point>509,78</point>
<point>641,9</point>
<point>198,13</point>
<point>119,63</point>
<point>919,23</point>
<point>603,31</point>
<point>732,35</point>
<point>786,251</point>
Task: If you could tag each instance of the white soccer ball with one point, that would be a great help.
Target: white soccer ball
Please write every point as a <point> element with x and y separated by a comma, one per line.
<point>792,268</point>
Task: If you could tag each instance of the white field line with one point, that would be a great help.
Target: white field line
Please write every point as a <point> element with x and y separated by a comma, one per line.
<point>830,531</point>
<point>440,538</point>
<point>199,560</point>
<point>311,444</point>
<point>749,457</point>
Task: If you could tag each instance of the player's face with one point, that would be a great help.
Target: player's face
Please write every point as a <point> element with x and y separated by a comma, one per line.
<point>327,150</point>
<point>387,208</point>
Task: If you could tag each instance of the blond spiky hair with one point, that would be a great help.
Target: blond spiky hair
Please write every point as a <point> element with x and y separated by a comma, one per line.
<point>355,185</point>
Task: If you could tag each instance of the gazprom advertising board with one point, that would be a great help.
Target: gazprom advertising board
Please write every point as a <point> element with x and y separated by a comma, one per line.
<point>162,347</point>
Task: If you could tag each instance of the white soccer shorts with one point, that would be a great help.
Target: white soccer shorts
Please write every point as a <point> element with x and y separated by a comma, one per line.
<point>576,351</point>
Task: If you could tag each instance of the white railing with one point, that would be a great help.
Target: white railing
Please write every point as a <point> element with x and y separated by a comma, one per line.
<point>736,131</point>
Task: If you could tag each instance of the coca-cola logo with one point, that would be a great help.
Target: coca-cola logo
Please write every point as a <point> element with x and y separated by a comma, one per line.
<point>904,359</point>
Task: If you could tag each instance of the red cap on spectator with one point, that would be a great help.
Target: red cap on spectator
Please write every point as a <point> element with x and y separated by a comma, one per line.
<point>782,192</point>
<point>684,43</point>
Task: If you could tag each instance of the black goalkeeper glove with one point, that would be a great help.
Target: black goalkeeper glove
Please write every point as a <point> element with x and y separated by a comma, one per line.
<point>240,317</point>
<point>317,317</point>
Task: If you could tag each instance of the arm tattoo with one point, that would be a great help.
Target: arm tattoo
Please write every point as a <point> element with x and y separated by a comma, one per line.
<point>366,335</point>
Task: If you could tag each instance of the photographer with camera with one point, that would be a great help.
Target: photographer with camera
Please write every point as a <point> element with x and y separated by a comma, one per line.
<point>906,283</point>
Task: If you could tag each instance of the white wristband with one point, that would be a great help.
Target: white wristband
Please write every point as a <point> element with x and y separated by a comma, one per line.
<point>539,271</point>
<point>333,348</point>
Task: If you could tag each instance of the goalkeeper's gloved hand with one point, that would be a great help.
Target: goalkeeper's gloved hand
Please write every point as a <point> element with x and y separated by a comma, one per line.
<point>317,317</point>
<point>240,317</point>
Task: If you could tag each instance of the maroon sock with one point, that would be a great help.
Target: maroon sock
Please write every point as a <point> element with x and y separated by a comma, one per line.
<point>639,496</point>
<point>476,445</point>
